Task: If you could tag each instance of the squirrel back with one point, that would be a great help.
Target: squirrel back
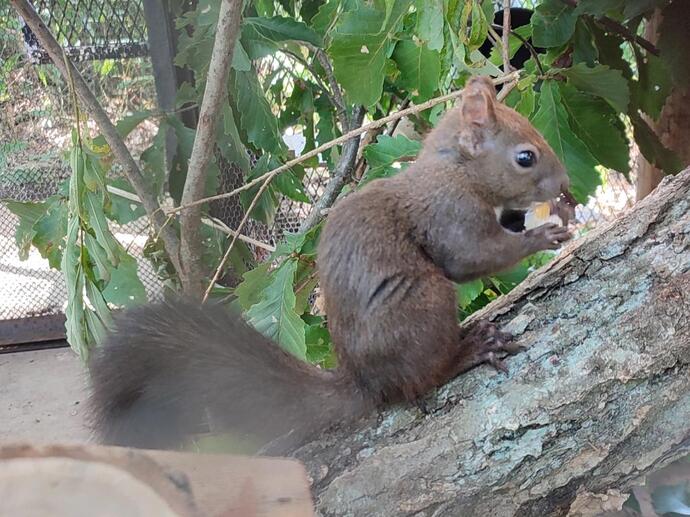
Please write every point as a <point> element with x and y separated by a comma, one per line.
<point>387,259</point>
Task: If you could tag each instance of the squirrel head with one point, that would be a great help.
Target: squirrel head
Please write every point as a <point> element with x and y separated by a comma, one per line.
<point>505,158</point>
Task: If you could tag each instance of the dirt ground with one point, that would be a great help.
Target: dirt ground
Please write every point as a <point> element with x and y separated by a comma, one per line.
<point>42,397</point>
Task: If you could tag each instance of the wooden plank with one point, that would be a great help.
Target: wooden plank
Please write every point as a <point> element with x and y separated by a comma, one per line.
<point>32,330</point>
<point>186,484</point>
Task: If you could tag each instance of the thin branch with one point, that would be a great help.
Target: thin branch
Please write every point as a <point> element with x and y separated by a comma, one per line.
<point>208,221</point>
<point>338,97</point>
<point>95,111</point>
<point>341,139</point>
<point>240,227</point>
<point>340,175</point>
<point>205,141</point>
<point>530,47</point>
<point>505,35</point>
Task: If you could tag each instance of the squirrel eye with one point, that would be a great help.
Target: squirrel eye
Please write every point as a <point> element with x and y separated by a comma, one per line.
<point>525,158</point>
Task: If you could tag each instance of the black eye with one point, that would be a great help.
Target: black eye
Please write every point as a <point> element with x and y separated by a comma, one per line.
<point>525,158</point>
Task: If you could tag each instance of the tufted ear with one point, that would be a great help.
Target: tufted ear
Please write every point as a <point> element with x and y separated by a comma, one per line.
<point>478,101</point>
<point>477,113</point>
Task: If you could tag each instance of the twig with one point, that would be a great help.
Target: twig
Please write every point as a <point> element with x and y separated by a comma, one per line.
<point>94,109</point>
<point>342,170</point>
<point>338,97</point>
<point>244,220</point>
<point>205,141</point>
<point>505,37</point>
<point>337,141</point>
<point>208,221</point>
<point>530,47</point>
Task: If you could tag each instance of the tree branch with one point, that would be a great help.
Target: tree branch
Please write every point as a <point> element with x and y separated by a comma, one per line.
<point>512,77</point>
<point>95,111</point>
<point>204,143</point>
<point>505,36</point>
<point>599,399</point>
<point>341,173</point>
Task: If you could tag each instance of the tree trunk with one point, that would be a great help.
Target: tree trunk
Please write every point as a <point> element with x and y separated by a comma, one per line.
<point>600,397</point>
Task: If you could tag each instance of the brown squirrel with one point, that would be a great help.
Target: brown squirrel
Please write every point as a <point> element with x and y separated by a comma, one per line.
<point>387,257</point>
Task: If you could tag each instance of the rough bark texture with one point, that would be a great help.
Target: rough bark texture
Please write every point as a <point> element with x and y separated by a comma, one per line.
<point>600,397</point>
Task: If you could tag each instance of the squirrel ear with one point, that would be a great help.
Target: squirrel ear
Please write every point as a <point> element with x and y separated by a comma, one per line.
<point>478,102</point>
<point>477,112</point>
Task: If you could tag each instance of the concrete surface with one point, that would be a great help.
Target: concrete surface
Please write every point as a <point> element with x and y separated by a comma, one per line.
<point>42,397</point>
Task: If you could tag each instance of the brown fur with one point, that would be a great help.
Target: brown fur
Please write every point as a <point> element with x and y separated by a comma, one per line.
<point>387,256</point>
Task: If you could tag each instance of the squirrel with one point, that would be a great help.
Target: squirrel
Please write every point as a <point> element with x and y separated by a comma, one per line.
<point>387,259</point>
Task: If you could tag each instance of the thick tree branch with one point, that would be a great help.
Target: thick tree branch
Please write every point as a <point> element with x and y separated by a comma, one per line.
<point>341,173</point>
<point>204,143</point>
<point>95,111</point>
<point>505,35</point>
<point>599,398</point>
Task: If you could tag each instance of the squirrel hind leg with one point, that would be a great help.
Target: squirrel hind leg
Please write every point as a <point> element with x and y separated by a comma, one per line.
<point>484,343</point>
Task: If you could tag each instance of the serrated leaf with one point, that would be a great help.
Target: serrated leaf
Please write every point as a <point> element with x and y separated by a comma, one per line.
<point>50,231</point>
<point>319,346</point>
<point>230,144</point>
<point>600,81</point>
<point>636,7</point>
<point>584,49</point>
<point>419,68</point>
<point>468,292</point>
<point>258,121</point>
<point>99,257</point>
<point>599,127</point>
<point>28,213</point>
<point>430,23</point>
<point>265,208</point>
<point>598,8</point>
<point>361,41</point>
<point>254,281</point>
<point>551,120</point>
<point>553,23</point>
<point>288,184</point>
<point>74,280</point>
<point>651,147</point>
<point>125,288</point>
<point>275,315</point>
<point>525,105</point>
<point>124,127</point>
<point>653,85</point>
<point>262,36</point>
<point>387,150</point>
<point>97,222</point>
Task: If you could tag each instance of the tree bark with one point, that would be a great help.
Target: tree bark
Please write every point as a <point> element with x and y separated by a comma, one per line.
<point>599,398</point>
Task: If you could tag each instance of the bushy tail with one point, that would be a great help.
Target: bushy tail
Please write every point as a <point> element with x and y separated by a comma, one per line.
<point>170,369</point>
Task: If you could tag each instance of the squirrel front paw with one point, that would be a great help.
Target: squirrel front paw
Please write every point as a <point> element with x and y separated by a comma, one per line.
<point>547,237</point>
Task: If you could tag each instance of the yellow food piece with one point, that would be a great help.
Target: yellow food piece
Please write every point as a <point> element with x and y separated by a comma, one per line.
<point>542,211</point>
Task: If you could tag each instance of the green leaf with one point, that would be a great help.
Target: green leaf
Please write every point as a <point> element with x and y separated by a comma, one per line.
<point>275,315</point>
<point>326,16</point>
<point>468,292</point>
<point>636,7</point>
<point>50,231</point>
<point>261,36</point>
<point>651,147</point>
<point>553,23</point>
<point>288,184</point>
<point>419,68</point>
<point>99,304</point>
<point>598,8</point>
<point>551,120</point>
<point>99,257</point>
<point>121,209</point>
<point>97,222</point>
<point>229,141</point>
<point>584,49</point>
<point>28,214</point>
<point>600,81</point>
<point>257,119</point>
<point>74,279</point>
<point>361,42</point>
<point>254,281</point>
<point>125,288</point>
<point>125,125</point>
<point>387,150</point>
<point>265,208</point>
<point>319,348</point>
<point>599,127</point>
<point>653,85</point>
<point>430,23</point>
